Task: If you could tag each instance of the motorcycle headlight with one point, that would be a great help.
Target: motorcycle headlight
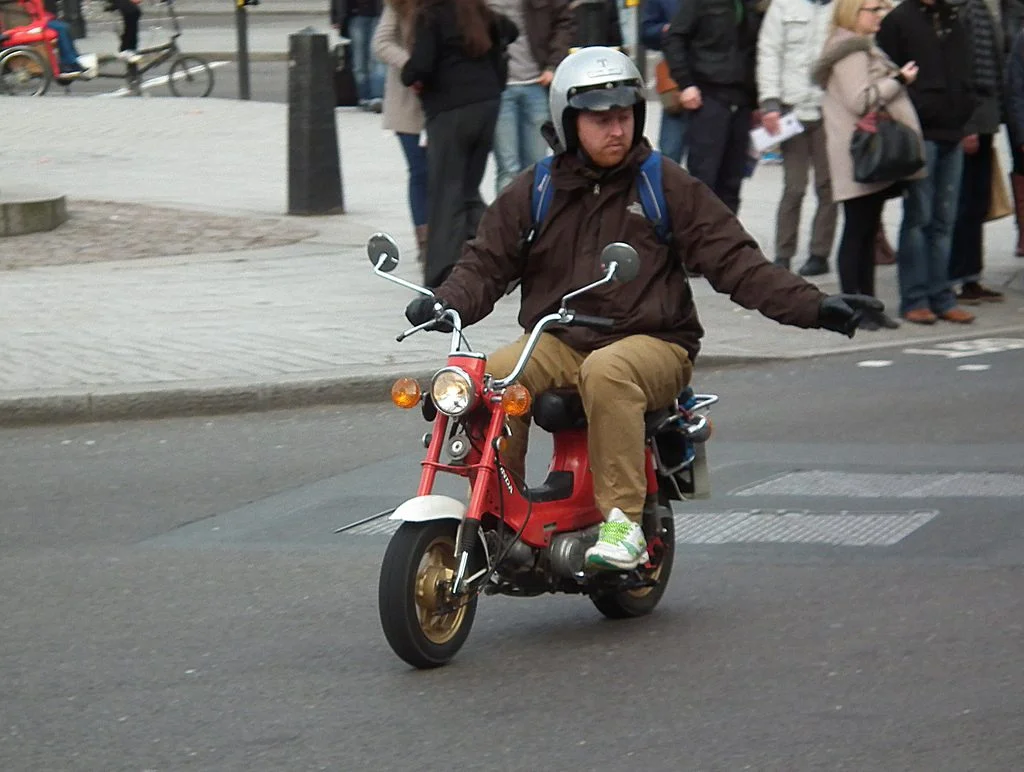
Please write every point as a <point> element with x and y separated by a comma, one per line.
<point>452,391</point>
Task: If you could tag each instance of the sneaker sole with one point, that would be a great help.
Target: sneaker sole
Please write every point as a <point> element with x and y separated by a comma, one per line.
<point>601,562</point>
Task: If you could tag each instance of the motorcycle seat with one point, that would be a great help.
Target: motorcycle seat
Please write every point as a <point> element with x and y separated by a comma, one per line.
<point>559,410</point>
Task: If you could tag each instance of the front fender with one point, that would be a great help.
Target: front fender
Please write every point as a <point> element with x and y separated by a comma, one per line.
<point>433,507</point>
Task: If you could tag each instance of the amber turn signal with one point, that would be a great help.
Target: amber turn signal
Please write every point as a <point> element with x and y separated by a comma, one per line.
<point>405,392</point>
<point>516,400</point>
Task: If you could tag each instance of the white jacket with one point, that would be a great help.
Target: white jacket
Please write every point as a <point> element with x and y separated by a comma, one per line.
<point>790,41</point>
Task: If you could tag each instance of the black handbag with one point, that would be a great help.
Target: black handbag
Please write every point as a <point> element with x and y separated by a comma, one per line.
<point>883,149</point>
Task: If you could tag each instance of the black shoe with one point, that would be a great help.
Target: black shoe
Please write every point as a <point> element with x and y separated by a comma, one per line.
<point>815,266</point>
<point>886,321</point>
<point>783,262</point>
<point>868,323</point>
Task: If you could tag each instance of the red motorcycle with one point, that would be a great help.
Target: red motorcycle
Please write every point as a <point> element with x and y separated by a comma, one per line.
<point>510,538</point>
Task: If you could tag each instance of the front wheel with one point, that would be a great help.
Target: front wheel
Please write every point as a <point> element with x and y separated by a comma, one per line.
<point>190,76</point>
<point>23,72</point>
<point>637,603</point>
<point>421,622</point>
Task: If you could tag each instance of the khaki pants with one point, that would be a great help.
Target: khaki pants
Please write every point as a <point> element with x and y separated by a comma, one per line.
<point>800,153</point>
<point>618,384</point>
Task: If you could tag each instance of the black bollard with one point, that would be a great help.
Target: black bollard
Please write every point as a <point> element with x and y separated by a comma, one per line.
<point>314,165</point>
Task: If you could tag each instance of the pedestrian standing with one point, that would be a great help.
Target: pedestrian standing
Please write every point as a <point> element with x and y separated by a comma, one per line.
<point>545,34</point>
<point>1015,130</point>
<point>654,24</point>
<point>931,34</point>
<point>403,113</point>
<point>457,65</point>
<point>792,36</point>
<point>711,49</point>
<point>357,20</point>
<point>966,262</point>
<point>855,74</point>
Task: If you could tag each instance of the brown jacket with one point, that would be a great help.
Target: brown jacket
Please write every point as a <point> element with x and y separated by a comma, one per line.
<point>550,28</point>
<point>854,73</point>
<point>590,211</point>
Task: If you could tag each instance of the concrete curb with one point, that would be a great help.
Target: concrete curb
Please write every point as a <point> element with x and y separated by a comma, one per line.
<point>150,401</point>
<point>231,56</point>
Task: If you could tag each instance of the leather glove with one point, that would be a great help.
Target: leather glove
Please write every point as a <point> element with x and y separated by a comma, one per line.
<point>423,309</point>
<point>842,313</point>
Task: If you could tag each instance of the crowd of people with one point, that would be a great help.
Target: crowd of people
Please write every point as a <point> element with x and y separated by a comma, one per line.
<point>468,78</point>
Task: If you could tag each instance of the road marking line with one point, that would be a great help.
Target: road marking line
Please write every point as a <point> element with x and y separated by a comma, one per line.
<point>158,81</point>
<point>875,363</point>
<point>973,368</point>
<point>886,485</point>
<point>970,348</point>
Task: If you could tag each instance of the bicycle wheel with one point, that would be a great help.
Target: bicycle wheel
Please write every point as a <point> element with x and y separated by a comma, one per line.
<point>190,76</point>
<point>23,72</point>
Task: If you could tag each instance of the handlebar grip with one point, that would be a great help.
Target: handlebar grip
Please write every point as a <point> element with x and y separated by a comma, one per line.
<point>596,322</point>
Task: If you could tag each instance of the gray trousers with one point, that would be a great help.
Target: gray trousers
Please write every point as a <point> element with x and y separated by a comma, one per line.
<point>799,154</point>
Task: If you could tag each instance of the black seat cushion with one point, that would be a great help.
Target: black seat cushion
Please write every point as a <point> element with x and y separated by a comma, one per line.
<point>557,410</point>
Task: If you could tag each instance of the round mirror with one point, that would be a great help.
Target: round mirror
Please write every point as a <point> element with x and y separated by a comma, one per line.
<point>383,252</point>
<point>626,259</point>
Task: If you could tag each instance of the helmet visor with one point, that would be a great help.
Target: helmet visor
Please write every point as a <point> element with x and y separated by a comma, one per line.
<point>601,98</point>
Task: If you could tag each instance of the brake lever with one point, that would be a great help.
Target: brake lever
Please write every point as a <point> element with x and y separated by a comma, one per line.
<point>413,330</point>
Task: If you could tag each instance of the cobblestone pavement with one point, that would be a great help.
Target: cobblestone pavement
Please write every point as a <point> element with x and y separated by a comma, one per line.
<point>117,230</point>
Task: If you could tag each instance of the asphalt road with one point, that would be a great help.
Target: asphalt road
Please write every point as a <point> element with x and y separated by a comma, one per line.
<point>173,597</point>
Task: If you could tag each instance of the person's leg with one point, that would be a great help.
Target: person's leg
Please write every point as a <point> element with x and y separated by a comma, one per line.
<point>672,135</point>
<point>66,51</point>
<point>360,45</point>
<point>912,252</point>
<point>972,208</point>
<point>618,384</point>
<point>709,128</point>
<point>852,244</point>
<point>130,14</point>
<point>446,160</point>
<point>796,162</point>
<point>823,227</point>
<point>377,69</point>
<point>553,365</point>
<point>506,139</point>
<point>533,114</point>
<point>478,132</point>
<point>732,168</point>
<point>1017,188</point>
<point>416,163</point>
<point>939,231</point>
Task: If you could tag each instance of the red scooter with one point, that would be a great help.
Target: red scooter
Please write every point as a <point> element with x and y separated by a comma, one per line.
<point>510,538</point>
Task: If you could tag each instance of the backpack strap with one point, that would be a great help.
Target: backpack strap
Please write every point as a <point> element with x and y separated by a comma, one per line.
<point>540,197</point>
<point>651,190</point>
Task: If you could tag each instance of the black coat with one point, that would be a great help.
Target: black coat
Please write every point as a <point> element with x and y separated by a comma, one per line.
<point>449,76</point>
<point>708,47</point>
<point>943,92</point>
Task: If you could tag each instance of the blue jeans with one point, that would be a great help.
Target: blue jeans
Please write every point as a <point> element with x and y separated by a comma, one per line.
<point>66,51</point>
<point>368,72</point>
<point>929,214</point>
<point>416,161</point>
<point>672,140</point>
<point>518,143</point>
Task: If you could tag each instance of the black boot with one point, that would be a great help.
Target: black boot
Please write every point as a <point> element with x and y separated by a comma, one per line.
<point>815,266</point>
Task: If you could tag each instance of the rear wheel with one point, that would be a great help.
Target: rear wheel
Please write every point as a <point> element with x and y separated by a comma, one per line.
<point>190,76</point>
<point>23,72</point>
<point>637,603</point>
<point>421,622</point>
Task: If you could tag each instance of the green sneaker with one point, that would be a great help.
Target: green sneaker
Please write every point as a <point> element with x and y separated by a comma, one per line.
<point>620,545</point>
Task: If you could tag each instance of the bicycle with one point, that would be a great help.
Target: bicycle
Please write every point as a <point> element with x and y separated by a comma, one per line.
<point>29,64</point>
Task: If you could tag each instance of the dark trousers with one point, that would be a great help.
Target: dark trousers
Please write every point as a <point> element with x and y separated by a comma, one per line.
<point>862,216</point>
<point>458,143</point>
<point>967,251</point>
<point>130,14</point>
<point>719,135</point>
<point>1017,154</point>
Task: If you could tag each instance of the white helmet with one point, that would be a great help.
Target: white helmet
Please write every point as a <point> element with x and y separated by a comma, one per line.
<point>595,78</point>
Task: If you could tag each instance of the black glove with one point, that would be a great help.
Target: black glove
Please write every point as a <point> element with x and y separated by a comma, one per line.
<point>842,313</point>
<point>422,310</point>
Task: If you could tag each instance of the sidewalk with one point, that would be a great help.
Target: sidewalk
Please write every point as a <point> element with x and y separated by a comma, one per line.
<point>289,325</point>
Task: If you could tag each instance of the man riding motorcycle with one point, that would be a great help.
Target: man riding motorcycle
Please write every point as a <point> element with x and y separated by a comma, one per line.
<point>598,107</point>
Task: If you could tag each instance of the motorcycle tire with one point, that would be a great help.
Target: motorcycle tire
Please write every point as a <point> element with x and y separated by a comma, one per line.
<point>636,603</point>
<point>419,557</point>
